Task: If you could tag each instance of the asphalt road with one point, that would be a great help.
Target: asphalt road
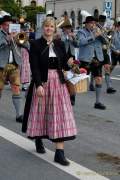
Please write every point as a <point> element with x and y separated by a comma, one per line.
<point>97,146</point>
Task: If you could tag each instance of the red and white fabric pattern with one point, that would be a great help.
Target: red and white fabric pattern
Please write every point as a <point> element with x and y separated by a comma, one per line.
<point>25,67</point>
<point>52,115</point>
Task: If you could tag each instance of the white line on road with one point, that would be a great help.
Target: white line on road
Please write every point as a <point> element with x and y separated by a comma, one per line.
<point>115,78</point>
<point>74,169</point>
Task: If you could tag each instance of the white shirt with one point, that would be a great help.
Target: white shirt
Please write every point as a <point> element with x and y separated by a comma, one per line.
<point>10,57</point>
<point>51,51</point>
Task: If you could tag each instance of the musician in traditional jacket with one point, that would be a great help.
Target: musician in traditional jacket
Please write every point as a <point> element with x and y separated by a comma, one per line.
<point>10,61</point>
<point>0,21</point>
<point>116,46</point>
<point>70,40</point>
<point>107,56</point>
<point>91,55</point>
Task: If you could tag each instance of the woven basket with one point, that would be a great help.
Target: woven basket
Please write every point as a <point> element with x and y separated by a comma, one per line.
<point>80,87</point>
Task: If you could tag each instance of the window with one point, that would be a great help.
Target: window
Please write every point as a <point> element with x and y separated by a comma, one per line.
<point>65,13</point>
<point>80,18</point>
<point>72,16</point>
<point>96,14</point>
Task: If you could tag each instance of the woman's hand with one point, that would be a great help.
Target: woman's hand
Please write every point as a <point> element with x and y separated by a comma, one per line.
<point>70,61</point>
<point>40,91</point>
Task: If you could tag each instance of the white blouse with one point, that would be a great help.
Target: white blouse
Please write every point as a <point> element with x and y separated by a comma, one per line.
<point>51,51</point>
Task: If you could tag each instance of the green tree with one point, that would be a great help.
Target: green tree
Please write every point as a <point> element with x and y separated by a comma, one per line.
<point>17,11</point>
<point>31,12</point>
<point>10,6</point>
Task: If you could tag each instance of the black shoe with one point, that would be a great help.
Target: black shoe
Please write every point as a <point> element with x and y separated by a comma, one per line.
<point>99,106</point>
<point>60,158</point>
<point>72,99</point>
<point>19,119</point>
<point>24,89</point>
<point>111,90</point>
<point>39,146</point>
<point>91,87</point>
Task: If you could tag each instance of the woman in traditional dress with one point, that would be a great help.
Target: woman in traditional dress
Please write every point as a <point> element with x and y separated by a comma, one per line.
<point>48,111</point>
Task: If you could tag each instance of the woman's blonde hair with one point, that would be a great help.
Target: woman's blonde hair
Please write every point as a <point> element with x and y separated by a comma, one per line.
<point>49,20</point>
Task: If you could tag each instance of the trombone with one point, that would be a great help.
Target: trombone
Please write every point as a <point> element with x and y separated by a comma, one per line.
<point>104,33</point>
<point>107,35</point>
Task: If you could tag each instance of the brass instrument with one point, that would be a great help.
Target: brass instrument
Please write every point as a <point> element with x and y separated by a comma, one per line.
<point>104,33</point>
<point>63,21</point>
<point>21,38</point>
<point>107,34</point>
<point>60,22</point>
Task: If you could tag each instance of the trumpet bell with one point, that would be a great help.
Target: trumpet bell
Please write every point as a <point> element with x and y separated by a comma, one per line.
<point>21,38</point>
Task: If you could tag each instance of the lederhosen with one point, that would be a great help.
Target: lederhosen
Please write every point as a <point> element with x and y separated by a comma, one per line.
<point>95,66</point>
<point>10,73</point>
<point>114,55</point>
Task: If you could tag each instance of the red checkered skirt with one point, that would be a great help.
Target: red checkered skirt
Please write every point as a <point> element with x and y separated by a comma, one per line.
<point>51,115</point>
<point>25,67</point>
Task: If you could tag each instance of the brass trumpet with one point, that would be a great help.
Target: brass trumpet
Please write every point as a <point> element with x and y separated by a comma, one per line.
<point>21,38</point>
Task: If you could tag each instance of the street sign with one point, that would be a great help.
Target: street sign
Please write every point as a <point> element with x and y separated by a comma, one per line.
<point>108,8</point>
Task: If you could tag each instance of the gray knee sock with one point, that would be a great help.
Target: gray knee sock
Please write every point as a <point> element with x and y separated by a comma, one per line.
<point>108,80</point>
<point>92,79</point>
<point>98,92</point>
<point>17,100</point>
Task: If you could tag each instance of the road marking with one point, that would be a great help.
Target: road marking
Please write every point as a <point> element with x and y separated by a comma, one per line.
<point>76,170</point>
<point>115,78</point>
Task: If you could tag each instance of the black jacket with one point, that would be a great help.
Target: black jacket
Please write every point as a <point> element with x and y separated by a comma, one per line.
<point>39,56</point>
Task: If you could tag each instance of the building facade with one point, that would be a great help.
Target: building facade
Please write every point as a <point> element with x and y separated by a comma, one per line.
<point>29,2</point>
<point>74,8</point>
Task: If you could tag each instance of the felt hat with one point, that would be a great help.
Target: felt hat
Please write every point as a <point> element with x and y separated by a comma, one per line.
<point>5,18</point>
<point>102,18</point>
<point>89,19</point>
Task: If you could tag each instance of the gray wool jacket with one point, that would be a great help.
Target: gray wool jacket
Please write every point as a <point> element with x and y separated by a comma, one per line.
<point>5,48</point>
<point>70,43</point>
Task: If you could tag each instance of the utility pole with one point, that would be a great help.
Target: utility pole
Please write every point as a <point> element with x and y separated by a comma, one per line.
<point>115,9</point>
<point>54,2</point>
